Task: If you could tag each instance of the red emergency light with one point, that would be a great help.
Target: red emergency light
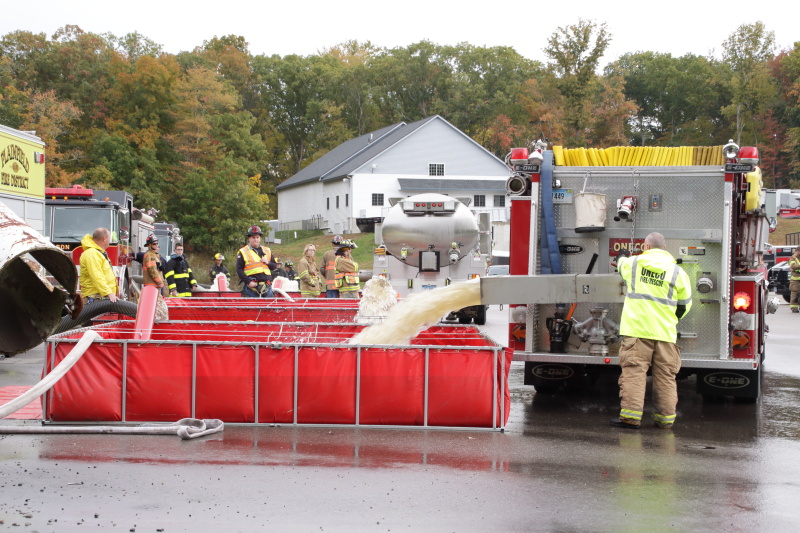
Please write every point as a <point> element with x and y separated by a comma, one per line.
<point>741,301</point>
<point>76,191</point>
<point>748,155</point>
<point>519,156</point>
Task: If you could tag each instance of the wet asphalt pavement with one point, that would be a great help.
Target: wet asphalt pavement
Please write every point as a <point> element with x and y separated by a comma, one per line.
<point>559,467</point>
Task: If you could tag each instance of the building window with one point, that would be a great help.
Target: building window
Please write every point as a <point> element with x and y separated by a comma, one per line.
<point>479,200</point>
<point>435,169</point>
<point>377,199</point>
<point>337,201</point>
<point>347,200</point>
<point>499,200</point>
<point>329,203</point>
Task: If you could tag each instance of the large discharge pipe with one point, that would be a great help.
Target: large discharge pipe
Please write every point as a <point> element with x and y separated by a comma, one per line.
<point>30,306</point>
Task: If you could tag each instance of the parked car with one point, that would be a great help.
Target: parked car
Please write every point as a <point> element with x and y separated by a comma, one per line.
<point>778,277</point>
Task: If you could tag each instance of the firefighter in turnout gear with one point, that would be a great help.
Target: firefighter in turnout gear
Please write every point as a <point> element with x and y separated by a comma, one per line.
<point>309,276</point>
<point>254,266</point>
<point>346,269</point>
<point>153,267</point>
<point>329,270</point>
<point>180,279</point>
<point>218,268</point>
<point>794,281</point>
<point>658,294</point>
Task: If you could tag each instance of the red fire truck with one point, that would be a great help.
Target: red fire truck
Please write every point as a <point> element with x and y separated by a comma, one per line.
<point>71,213</point>
<point>572,212</point>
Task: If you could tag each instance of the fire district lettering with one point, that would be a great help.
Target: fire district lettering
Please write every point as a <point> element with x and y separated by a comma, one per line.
<point>14,152</point>
<point>647,276</point>
<point>13,180</point>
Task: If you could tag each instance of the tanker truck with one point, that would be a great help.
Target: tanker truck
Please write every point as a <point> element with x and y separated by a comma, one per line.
<point>431,240</point>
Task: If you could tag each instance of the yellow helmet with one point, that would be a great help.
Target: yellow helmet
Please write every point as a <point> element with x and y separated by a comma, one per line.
<point>219,257</point>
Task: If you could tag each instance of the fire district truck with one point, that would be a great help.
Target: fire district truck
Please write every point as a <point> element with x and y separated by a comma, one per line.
<point>22,165</point>
<point>573,211</point>
<point>73,212</point>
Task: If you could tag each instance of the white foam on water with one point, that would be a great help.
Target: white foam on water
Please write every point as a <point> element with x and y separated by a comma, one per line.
<point>377,298</point>
<point>406,319</point>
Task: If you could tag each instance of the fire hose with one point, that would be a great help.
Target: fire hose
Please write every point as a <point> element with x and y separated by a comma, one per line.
<point>186,428</point>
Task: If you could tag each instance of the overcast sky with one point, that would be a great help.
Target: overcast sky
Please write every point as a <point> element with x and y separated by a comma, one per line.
<point>308,26</point>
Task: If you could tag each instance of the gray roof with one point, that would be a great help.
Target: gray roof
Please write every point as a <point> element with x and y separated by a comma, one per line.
<point>438,184</point>
<point>352,154</point>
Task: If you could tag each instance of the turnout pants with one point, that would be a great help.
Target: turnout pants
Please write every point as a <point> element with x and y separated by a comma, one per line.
<point>794,301</point>
<point>636,356</point>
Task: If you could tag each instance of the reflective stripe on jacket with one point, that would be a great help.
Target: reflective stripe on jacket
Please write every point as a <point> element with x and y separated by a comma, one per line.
<point>656,287</point>
<point>96,274</point>
<point>794,269</point>
<point>329,268</point>
<point>347,274</point>
<point>308,277</point>
<point>179,276</point>
<point>252,262</point>
<point>152,275</point>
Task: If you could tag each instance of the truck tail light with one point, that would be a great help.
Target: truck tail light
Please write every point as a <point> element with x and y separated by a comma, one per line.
<point>741,301</point>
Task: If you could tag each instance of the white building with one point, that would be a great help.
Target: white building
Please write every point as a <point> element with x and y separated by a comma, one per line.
<point>349,188</point>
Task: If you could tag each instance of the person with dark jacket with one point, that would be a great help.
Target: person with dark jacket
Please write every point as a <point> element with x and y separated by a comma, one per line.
<point>254,266</point>
<point>180,279</point>
<point>218,268</point>
<point>291,274</point>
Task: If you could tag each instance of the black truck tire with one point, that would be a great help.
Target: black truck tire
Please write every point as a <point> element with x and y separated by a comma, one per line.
<point>96,308</point>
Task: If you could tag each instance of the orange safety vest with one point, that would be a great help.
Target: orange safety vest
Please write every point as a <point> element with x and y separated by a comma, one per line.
<point>253,264</point>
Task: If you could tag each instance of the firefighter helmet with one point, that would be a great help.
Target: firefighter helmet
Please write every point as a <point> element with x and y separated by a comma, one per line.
<point>254,230</point>
<point>337,240</point>
<point>289,263</point>
<point>151,239</point>
<point>219,257</point>
<point>347,243</point>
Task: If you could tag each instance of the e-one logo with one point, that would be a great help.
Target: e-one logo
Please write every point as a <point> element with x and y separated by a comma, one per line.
<point>552,372</point>
<point>725,380</point>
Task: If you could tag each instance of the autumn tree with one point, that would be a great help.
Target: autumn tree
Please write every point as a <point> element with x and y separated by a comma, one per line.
<point>575,52</point>
<point>747,52</point>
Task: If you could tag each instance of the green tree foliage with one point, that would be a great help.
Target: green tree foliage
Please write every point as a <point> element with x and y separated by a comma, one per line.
<point>575,52</point>
<point>747,51</point>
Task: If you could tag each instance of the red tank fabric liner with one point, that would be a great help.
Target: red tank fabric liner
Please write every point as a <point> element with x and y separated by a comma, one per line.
<point>158,385</point>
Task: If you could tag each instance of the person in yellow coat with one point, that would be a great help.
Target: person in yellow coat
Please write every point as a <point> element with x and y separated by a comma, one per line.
<point>659,293</point>
<point>308,273</point>
<point>346,271</point>
<point>97,277</point>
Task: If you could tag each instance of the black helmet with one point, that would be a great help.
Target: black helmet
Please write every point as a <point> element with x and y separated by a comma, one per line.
<point>254,230</point>
<point>337,240</point>
<point>151,239</point>
<point>289,263</point>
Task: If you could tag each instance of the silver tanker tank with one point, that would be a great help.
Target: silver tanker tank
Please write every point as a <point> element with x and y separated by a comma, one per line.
<point>429,222</point>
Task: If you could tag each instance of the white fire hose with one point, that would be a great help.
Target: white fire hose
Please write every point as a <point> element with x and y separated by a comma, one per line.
<point>186,428</point>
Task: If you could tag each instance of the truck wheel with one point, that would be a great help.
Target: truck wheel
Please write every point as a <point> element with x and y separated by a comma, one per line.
<point>464,319</point>
<point>480,318</point>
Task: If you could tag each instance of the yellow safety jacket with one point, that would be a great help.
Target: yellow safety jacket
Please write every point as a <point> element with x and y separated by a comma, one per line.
<point>794,269</point>
<point>656,286</point>
<point>346,274</point>
<point>96,274</point>
<point>252,262</point>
